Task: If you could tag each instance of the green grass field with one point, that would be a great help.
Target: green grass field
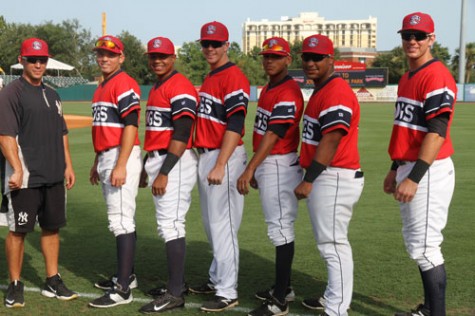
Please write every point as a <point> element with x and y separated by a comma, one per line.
<point>386,280</point>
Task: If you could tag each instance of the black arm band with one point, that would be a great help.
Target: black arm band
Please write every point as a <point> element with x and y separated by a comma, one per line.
<point>131,119</point>
<point>182,129</point>
<point>168,164</point>
<point>236,122</point>
<point>145,158</point>
<point>439,124</point>
<point>394,166</point>
<point>418,171</point>
<point>279,129</point>
<point>313,171</point>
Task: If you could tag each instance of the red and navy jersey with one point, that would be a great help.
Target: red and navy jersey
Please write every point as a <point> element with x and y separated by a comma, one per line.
<point>332,106</point>
<point>279,104</point>
<point>168,101</point>
<point>113,100</point>
<point>224,92</point>
<point>423,94</point>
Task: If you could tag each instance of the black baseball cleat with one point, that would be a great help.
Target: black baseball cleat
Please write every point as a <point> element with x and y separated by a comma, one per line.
<point>267,294</point>
<point>271,307</point>
<point>14,297</point>
<point>314,303</point>
<point>219,304</point>
<point>112,281</point>
<point>160,290</point>
<point>420,310</point>
<point>206,288</point>
<point>113,297</point>
<point>55,287</point>
<point>163,303</point>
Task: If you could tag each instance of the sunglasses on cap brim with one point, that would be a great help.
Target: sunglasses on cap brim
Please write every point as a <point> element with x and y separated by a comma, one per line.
<point>314,57</point>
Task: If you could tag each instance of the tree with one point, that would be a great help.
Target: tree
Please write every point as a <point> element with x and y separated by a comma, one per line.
<point>469,62</point>
<point>136,62</point>
<point>191,62</point>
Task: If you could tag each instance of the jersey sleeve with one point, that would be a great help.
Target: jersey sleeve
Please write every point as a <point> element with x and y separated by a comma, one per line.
<point>236,97</point>
<point>129,100</point>
<point>440,96</point>
<point>184,100</point>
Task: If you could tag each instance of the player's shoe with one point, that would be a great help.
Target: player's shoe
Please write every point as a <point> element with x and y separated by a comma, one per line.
<point>14,297</point>
<point>314,303</point>
<point>112,281</point>
<point>158,291</point>
<point>271,307</point>
<point>267,294</point>
<point>55,287</point>
<point>206,288</point>
<point>420,310</point>
<point>219,304</point>
<point>163,303</point>
<point>113,297</point>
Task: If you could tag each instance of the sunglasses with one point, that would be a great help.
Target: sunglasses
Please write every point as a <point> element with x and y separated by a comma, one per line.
<point>306,57</point>
<point>214,44</point>
<point>418,36</point>
<point>106,43</point>
<point>34,60</point>
<point>158,56</point>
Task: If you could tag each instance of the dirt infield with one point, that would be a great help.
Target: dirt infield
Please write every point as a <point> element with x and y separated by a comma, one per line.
<point>77,121</point>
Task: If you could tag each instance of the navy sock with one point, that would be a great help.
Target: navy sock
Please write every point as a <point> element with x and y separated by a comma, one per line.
<point>435,282</point>
<point>125,258</point>
<point>176,250</point>
<point>284,256</point>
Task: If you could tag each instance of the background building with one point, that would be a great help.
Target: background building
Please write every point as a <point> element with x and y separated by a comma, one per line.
<point>343,33</point>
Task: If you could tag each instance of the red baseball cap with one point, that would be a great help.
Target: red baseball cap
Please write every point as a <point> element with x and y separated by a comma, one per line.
<point>214,31</point>
<point>318,44</point>
<point>160,45</point>
<point>275,46</point>
<point>109,43</point>
<point>34,47</point>
<point>418,21</point>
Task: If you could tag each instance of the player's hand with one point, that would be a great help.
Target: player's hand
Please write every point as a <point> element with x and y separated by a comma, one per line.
<point>303,190</point>
<point>16,180</point>
<point>159,185</point>
<point>244,181</point>
<point>69,178</point>
<point>143,182</point>
<point>118,176</point>
<point>94,175</point>
<point>405,191</point>
<point>389,184</point>
<point>253,183</point>
<point>216,175</point>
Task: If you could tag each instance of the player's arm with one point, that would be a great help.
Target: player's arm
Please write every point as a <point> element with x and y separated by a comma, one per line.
<point>272,135</point>
<point>127,142</point>
<point>323,157</point>
<point>69,176</point>
<point>181,134</point>
<point>231,139</point>
<point>9,147</point>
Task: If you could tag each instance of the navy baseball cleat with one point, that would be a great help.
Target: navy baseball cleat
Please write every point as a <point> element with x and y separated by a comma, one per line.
<point>14,297</point>
<point>163,303</point>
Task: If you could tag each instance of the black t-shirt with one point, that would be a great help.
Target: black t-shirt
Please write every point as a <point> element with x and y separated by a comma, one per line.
<point>34,115</point>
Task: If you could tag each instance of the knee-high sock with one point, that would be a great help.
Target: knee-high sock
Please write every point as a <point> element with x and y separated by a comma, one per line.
<point>435,282</point>
<point>176,250</point>
<point>284,256</point>
<point>125,258</point>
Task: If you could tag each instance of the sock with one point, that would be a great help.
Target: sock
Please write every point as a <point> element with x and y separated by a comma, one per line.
<point>426,292</point>
<point>176,250</point>
<point>435,282</point>
<point>125,258</point>
<point>283,265</point>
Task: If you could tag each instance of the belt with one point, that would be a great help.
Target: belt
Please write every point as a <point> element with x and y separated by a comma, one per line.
<point>156,153</point>
<point>401,162</point>
<point>204,150</point>
<point>108,149</point>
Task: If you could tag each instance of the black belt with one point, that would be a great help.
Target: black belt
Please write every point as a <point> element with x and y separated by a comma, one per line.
<point>401,162</point>
<point>204,150</point>
<point>156,153</point>
<point>108,149</point>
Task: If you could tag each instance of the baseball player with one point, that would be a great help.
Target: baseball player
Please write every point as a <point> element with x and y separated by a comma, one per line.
<point>118,162</point>
<point>422,175</point>
<point>37,167</point>
<point>224,96</point>
<point>275,168</point>
<point>171,164</point>
<point>333,181</point>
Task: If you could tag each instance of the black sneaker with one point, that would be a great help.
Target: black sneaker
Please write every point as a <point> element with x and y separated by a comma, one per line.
<point>314,303</point>
<point>163,303</point>
<point>158,291</point>
<point>55,287</point>
<point>219,304</point>
<point>271,307</point>
<point>420,310</point>
<point>267,294</point>
<point>112,281</point>
<point>206,288</point>
<point>14,297</point>
<point>113,298</point>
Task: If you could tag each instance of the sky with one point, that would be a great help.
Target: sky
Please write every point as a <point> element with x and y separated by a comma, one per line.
<point>181,20</point>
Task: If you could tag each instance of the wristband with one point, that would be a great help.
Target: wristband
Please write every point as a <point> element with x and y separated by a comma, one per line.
<point>418,171</point>
<point>168,164</point>
<point>394,166</point>
<point>313,171</point>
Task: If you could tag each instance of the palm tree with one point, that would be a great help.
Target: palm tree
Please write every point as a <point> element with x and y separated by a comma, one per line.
<point>469,62</point>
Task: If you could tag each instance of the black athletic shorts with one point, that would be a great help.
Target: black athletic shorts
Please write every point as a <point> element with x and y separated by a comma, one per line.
<point>46,203</point>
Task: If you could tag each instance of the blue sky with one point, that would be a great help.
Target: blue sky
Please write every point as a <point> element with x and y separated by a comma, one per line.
<point>180,20</point>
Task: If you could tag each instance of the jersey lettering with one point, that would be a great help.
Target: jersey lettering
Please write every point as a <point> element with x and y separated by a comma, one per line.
<point>404,112</point>
<point>260,124</point>
<point>99,114</point>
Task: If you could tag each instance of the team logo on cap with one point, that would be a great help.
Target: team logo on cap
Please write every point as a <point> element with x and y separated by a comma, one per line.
<point>272,43</point>
<point>37,45</point>
<point>157,43</point>
<point>211,29</point>
<point>313,42</point>
<point>415,19</point>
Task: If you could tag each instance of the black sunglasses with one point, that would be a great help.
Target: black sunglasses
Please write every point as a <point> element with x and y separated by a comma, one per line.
<point>306,57</point>
<point>214,44</point>
<point>418,36</point>
<point>34,60</point>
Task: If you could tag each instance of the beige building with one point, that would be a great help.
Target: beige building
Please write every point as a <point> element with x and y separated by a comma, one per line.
<point>343,33</point>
